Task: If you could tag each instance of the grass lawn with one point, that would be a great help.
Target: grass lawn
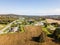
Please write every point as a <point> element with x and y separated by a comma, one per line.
<point>2,26</point>
<point>45,30</point>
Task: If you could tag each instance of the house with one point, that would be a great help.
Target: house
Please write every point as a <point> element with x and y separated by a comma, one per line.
<point>15,29</point>
<point>31,21</point>
<point>39,23</point>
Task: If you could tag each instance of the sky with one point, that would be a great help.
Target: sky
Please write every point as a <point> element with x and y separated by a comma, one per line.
<point>30,7</point>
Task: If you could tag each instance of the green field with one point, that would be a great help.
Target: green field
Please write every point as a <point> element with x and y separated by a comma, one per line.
<point>45,30</point>
<point>2,26</point>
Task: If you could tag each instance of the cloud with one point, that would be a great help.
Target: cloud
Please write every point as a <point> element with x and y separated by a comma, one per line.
<point>34,12</point>
<point>42,12</point>
<point>51,12</point>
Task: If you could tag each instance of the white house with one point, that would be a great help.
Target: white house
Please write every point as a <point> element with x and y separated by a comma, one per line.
<point>15,29</point>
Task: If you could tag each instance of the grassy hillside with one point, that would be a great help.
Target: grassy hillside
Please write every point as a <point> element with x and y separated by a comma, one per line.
<point>26,30</point>
<point>18,38</point>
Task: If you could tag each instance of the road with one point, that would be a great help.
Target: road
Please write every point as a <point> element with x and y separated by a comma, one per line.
<point>8,26</point>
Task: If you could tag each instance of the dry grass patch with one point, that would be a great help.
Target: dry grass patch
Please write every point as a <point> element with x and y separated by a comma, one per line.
<point>19,38</point>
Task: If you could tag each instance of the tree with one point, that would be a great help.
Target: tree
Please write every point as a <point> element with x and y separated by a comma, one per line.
<point>56,34</point>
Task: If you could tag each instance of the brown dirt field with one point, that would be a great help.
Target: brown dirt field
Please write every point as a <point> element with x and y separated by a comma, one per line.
<point>24,38</point>
<point>21,38</point>
<point>33,30</point>
<point>53,21</point>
